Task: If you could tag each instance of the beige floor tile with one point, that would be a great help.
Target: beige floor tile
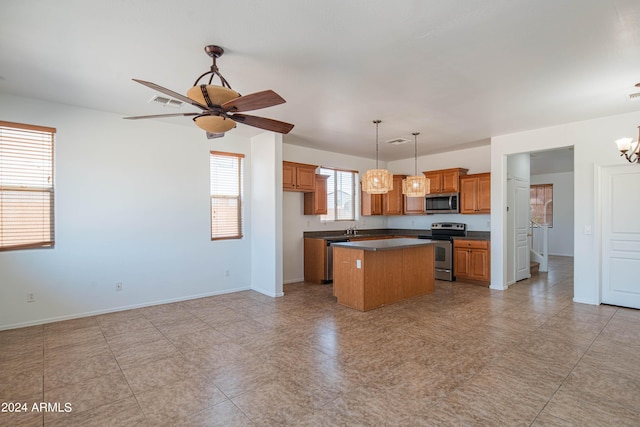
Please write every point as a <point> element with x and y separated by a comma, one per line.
<point>159,373</point>
<point>124,412</point>
<point>23,414</point>
<point>88,395</point>
<point>179,400</point>
<point>143,353</point>
<point>224,414</point>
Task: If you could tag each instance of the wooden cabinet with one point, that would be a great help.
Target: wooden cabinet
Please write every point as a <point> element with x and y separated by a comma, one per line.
<point>413,205</point>
<point>315,258</point>
<point>475,193</point>
<point>391,203</point>
<point>370,204</point>
<point>316,203</point>
<point>472,261</point>
<point>444,180</point>
<point>298,177</point>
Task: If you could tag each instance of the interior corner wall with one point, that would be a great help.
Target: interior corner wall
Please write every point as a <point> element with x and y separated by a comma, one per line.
<point>266,221</point>
<point>132,206</point>
<point>593,148</point>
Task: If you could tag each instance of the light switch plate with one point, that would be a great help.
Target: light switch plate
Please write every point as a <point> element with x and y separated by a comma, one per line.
<point>358,263</point>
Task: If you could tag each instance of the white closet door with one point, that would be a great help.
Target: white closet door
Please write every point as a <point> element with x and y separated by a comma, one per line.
<point>620,235</point>
<point>522,215</point>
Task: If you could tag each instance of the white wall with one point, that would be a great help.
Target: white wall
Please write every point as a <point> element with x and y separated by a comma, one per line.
<point>561,234</point>
<point>266,239</point>
<point>132,206</point>
<point>593,149</point>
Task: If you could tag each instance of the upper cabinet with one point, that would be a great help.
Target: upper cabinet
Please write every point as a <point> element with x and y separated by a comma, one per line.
<point>298,177</point>
<point>444,180</point>
<point>475,193</point>
<point>413,205</point>
<point>370,204</point>
<point>390,203</point>
<point>316,203</point>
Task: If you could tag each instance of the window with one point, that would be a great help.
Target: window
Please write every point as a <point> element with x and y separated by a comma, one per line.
<point>541,201</point>
<point>226,195</point>
<point>26,186</point>
<point>341,199</point>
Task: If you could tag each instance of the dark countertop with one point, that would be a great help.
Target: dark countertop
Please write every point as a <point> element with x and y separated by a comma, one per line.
<point>336,234</point>
<point>384,244</point>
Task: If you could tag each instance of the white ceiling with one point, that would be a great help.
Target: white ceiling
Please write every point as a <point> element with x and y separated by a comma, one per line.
<point>458,71</point>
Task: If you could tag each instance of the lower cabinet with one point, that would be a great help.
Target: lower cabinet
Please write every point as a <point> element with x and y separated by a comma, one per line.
<point>472,262</point>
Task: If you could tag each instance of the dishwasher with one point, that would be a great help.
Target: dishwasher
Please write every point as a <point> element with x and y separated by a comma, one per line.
<point>328,267</point>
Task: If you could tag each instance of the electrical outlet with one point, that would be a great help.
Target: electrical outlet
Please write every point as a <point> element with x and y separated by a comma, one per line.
<point>227,273</point>
<point>31,297</point>
<point>118,286</point>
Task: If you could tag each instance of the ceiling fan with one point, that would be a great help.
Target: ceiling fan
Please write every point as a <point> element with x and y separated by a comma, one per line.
<point>221,105</point>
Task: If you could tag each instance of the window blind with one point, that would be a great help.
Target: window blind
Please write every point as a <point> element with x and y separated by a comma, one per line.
<point>26,186</point>
<point>226,195</point>
<point>340,195</point>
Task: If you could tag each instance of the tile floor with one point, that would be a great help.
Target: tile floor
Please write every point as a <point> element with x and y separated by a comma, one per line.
<point>464,355</point>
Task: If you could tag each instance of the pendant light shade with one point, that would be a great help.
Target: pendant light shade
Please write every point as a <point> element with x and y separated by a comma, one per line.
<point>377,181</point>
<point>417,185</point>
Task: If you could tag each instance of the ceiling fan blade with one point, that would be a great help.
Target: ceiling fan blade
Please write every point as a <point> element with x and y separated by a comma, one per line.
<point>263,123</point>
<point>155,116</point>
<point>254,101</point>
<point>171,93</point>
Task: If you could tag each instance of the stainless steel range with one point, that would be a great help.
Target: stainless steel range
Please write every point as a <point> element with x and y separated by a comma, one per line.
<point>443,233</point>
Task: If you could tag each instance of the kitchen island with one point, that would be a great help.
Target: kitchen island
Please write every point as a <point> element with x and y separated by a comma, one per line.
<point>372,273</point>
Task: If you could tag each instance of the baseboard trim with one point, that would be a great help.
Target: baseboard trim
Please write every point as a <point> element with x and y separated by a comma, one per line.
<point>117,309</point>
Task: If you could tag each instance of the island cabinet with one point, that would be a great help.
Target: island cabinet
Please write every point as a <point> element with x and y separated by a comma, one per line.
<point>374,273</point>
<point>475,193</point>
<point>316,203</point>
<point>472,262</point>
<point>298,177</point>
<point>444,180</point>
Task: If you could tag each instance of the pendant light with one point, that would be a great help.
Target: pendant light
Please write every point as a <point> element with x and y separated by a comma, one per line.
<point>417,185</point>
<point>377,181</point>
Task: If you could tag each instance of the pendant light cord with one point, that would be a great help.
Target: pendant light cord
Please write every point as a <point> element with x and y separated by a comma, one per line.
<point>415,152</point>
<point>377,122</point>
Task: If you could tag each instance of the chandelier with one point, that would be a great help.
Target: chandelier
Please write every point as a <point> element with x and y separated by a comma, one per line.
<point>630,149</point>
<point>417,185</point>
<point>377,181</point>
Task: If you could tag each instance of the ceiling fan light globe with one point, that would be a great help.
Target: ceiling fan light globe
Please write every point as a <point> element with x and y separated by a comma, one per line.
<point>217,94</point>
<point>214,124</point>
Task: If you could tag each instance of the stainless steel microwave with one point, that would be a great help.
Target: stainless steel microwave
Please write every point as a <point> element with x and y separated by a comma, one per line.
<point>442,203</point>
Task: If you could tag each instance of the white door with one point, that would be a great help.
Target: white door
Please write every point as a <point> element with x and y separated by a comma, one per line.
<point>522,213</point>
<point>620,235</point>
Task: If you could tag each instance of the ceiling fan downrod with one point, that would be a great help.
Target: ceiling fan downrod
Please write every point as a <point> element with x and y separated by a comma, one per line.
<point>214,52</point>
